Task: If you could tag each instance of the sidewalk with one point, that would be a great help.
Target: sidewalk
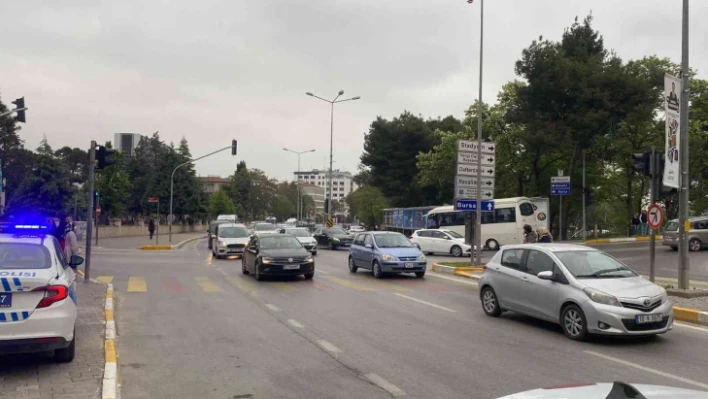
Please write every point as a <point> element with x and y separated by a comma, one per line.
<point>37,376</point>
<point>135,242</point>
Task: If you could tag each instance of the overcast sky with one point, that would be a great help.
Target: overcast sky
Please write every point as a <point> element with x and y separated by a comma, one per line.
<point>215,70</point>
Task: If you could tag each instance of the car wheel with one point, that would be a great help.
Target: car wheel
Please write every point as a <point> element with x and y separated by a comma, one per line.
<point>352,268</point>
<point>573,323</point>
<point>259,277</point>
<point>66,355</point>
<point>674,248</point>
<point>695,244</point>
<point>456,251</point>
<point>331,246</point>
<point>419,274</point>
<point>492,244</point>
<point>314,253</point>
<point>490,302</point>
<point>309,276</point>
<point>243,266</point>
<point>376,270</point>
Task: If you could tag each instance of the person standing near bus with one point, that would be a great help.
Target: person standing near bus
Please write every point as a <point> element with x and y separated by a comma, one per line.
<point>530,236</point>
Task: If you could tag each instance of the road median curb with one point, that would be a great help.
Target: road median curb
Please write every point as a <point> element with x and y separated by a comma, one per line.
<point>467,272</point>
<point>187,241</point>
<point>110,373</point>
<point>618,240</point>
<point>155,247</point>
<point>688,315</point>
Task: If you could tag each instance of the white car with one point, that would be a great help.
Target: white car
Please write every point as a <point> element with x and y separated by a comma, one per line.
<point>305,237</point>
<point>229,239</point>
<point>432,241</point>
<point>609,390</point>
<point>356,229</point>
<point>37,293</point>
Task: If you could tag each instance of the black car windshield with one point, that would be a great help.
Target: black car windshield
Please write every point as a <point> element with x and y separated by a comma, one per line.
<point>593,264</point>
<point>298,232</point>
<point>265,227</point>
<point>24,256</point>
<point>454,234</point>
<point>233,232</point>
<point>336,231</point>
<point>392,241</point>
<point>280,242</point>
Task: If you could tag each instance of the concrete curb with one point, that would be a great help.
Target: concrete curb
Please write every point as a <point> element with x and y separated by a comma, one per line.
<point>110,374</point>
<point>169,247</point>
<point>691,316</point>
<point>467,272</point>
<point>620,239</point>
<point>187,241</point>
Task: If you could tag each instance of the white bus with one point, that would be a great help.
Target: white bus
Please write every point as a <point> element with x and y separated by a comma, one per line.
<point>503,226</point>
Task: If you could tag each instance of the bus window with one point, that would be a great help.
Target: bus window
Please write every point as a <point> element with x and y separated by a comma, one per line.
<point>506,215</point>
<point>526,209</point>
<point>488,217</point>
<point>451,219</point>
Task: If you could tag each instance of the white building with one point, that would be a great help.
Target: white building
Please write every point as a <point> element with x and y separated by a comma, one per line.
<point>317,195</point>
<point>342,183</point>
<point>126,142</point>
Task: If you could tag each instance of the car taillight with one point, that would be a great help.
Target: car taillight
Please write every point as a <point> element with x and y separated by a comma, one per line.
<point>52,294</point>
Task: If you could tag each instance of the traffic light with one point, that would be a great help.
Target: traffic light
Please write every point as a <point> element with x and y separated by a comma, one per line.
<point>103,157</point>
<point>234,147</point>
<point>20,104</point>
<point>642,163</point>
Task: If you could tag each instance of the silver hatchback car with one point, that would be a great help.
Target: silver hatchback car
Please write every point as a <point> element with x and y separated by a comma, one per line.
<point>583,289</point>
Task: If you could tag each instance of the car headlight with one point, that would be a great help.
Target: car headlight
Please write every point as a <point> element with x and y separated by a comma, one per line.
<point>223,243</point>
<point>335,239</point>
<point>388,258</point>
<point>601,297</point>
<point>664,296</point>
<point>266,260</point>
<point>422,257</point>
<point>309,259</point>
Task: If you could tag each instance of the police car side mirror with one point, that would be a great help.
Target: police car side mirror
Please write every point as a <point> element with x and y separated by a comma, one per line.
<point>75,261</point>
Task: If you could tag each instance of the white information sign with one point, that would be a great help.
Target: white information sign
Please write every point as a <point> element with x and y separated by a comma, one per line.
<point>464,170</point>
<point>470,158</point>
<point>471,182</point>
<point>471,146</point>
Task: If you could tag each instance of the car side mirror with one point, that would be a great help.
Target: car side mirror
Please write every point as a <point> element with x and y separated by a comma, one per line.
<point>415,244</point>
<point>546,275</point>
<point>368,246</point>
<point>75,261</point>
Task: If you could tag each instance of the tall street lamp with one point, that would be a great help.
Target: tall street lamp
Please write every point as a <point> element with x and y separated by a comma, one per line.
<point>299,193</point>
<point>331,140</point>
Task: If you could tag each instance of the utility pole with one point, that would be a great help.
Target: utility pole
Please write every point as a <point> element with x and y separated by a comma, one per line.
<point>89,213</point>
<point>584,196</point>
<point>478,212</point>
<point>653,194</point>
<point>683,279</point>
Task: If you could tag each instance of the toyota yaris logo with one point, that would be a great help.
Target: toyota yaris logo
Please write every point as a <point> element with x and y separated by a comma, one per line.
<point>647,302</point>
<point>290,260</point>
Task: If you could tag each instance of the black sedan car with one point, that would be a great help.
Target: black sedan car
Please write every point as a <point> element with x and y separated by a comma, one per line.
<point>333,237</point>
<point>272,254</point>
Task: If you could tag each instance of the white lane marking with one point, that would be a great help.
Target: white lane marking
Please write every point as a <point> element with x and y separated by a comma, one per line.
<point>322,271</point>
<point>649,370</point>
<point>455,279</point>
<point>705,330</point>
<point>272,307</point>
<point>385,385</point>
<point>328,346</point>
<point>426,303</point>
<point>295,323</point>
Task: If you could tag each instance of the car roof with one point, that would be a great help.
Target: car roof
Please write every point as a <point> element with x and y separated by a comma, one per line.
<point>380,233</point>
<point>232,224</point>
<point>553,247</point>
<point>691,219</point>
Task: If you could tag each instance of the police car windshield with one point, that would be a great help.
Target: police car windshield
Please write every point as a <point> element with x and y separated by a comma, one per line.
<point>280,242</point>
<point>23,256</point>
<point>233,232</point>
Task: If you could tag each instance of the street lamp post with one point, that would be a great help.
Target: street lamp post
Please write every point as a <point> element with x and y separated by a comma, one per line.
<point>328,196</point>
<point>299,190</point>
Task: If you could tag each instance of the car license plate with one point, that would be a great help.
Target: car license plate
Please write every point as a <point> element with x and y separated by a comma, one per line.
<point>291,267</point>
<point>409,265</point>
<point>5,300</point>
<point>647,318</point>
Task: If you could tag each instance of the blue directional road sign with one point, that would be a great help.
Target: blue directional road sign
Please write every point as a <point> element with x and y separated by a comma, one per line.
<point>471,205</point>
<point>560,185</point>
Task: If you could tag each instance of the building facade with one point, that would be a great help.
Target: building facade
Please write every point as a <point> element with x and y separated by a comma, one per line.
<point>126,142</point>
<point>342,184</point>
<point>317,195</point>
<point>212,184</point>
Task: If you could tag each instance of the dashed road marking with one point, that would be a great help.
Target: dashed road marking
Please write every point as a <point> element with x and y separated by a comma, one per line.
<point>137,284</point>
<point>105,279</point>
<point>426,303</point>
<point>243,285</point>
<point>295,323</point>
<point>207,285</point>
<point>282,286</point>
<point>323,272</point>
<point>385,385</point>
<point>272,307</point>
<point>648,369</point>
<point>328,346</point>
<point>348,284</point>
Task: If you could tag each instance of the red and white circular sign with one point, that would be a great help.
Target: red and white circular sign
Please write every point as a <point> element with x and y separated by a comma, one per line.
<point>655,216</point>
<point>98,211</point>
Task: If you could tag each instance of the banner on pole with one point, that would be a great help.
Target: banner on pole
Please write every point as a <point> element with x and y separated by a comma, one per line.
<point>672,148</point>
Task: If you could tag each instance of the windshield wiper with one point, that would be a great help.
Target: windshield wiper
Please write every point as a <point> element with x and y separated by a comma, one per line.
<point>599,273</point>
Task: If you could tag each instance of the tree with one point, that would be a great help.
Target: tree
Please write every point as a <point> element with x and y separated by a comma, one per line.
<point>282,208</point>
<point>367,203</point>
<point>221,204</point>
<point>113,186</point>
<point>45,189</point>
<point>76,162</point>
<point>15,160</point>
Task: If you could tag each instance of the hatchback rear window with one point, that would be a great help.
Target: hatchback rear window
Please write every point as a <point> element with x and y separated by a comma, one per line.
<point>672,226</point>
<point>23,256</point>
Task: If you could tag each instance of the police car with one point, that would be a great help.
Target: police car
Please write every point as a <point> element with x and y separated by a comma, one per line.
<point>37,293</point>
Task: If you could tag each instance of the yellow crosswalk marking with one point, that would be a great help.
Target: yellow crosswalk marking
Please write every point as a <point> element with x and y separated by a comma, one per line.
<point>348,284</point>
<point>381,284</point>
<point>137,284</point>
<point>207,285</point>
<point>282,286</point>
<point>243,285</point>
<point>105,279</point>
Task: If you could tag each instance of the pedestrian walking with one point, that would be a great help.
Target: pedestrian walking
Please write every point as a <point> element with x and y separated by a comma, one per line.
<point>71,246</point>
<point>544,235</point>
<point>635,224</point>
<point>530,236</point>
<point>151,227</point>
<point>645,225</point>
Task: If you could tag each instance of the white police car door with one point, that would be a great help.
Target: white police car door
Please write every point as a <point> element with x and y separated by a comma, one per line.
<point>25,272</point>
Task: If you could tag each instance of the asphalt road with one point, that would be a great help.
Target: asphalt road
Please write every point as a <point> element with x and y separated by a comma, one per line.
<point>193,326</point>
